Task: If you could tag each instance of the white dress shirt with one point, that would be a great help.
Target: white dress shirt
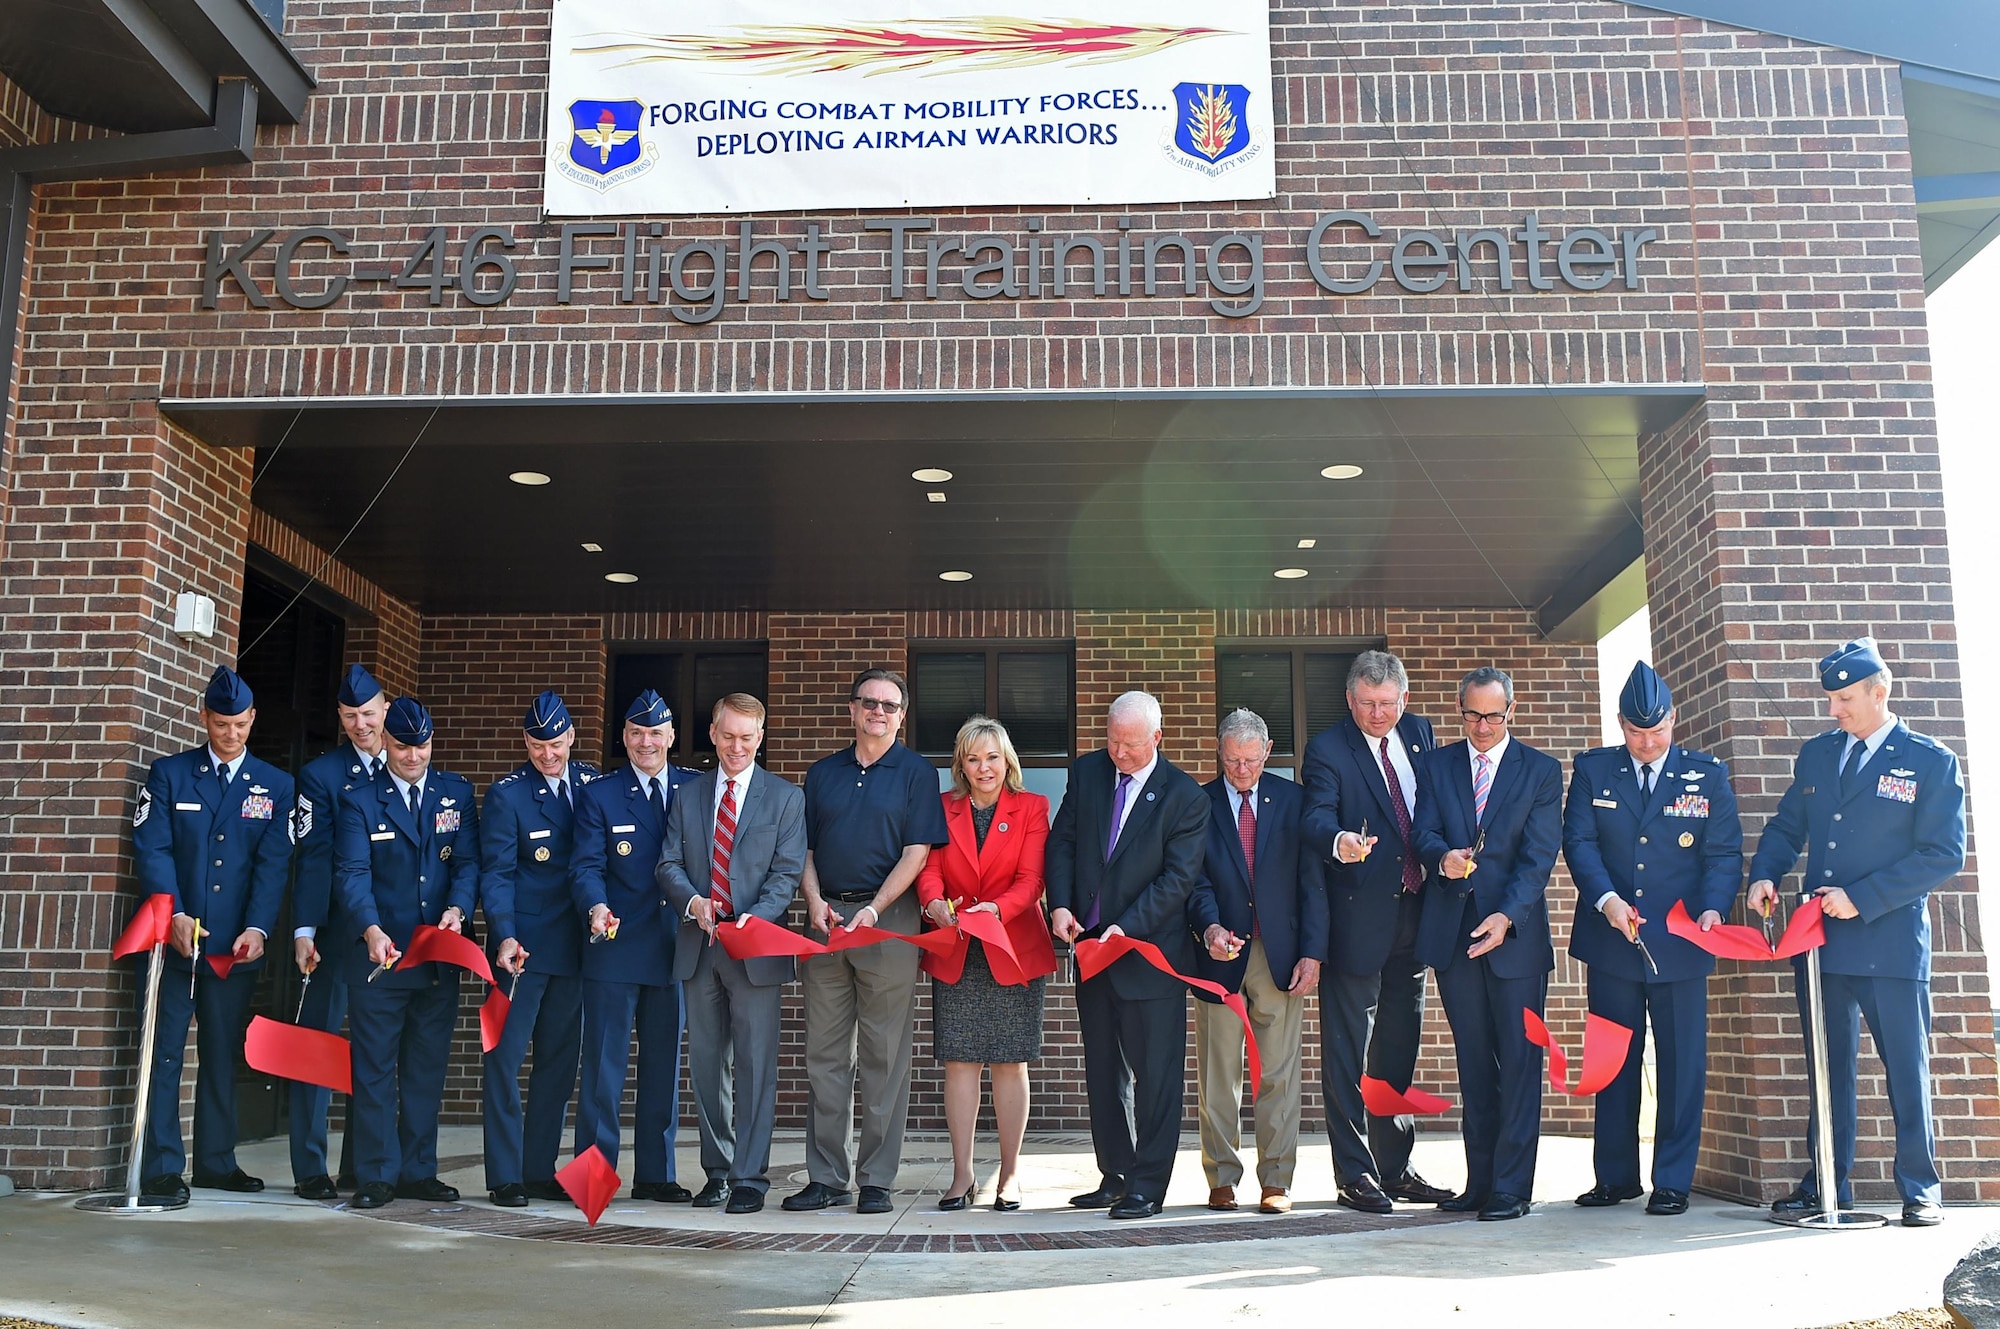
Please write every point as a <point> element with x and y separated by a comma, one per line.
<point>1139,779</point>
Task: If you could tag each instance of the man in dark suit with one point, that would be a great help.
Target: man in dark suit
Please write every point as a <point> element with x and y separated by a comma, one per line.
<point>1360,775</point>
<point>1488,936</point>
<point>736,846</point>
<point>1649,824</point>
<point>628,966</point>
<point>1880,813</point>
<point>1124,855</point>
<point>406,852</point>
<point>526,832</point>
<point>324,783</point>
<point>213,832</point>
<point>1259,909</point>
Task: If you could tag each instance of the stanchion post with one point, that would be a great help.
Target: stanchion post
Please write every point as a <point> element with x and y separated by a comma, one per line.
<point>131,1202</point>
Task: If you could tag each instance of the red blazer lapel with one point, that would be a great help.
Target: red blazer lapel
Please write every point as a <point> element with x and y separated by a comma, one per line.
<point>1002,853</point>
<point>958,828</point>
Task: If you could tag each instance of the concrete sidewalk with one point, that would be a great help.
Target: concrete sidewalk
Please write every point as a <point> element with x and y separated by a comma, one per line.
<point>227,1262</point>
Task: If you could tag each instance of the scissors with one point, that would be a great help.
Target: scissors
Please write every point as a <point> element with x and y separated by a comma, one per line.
<point>385,966</point>
<point>1363,836</point>
<point>1643,952</point>
<point>304,983</point>
<point>1771,925</point>
<point>194,964</point>
<point>1472,854</point>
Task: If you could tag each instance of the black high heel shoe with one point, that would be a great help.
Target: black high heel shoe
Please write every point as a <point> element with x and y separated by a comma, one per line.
<point>953,1204</point>
<point>1003,1205</point>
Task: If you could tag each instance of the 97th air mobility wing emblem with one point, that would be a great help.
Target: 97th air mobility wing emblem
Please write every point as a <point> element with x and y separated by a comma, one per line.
<point>605,147</point>
<point>1211,132</point>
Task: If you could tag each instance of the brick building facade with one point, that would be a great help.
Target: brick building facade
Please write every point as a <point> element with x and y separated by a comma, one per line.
<point>1788,489</point>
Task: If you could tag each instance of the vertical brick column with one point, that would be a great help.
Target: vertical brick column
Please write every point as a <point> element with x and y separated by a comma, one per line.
<point>110,514</point>
<point>1800,507</point>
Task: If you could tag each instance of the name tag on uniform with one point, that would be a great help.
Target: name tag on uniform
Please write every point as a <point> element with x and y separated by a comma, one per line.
<point>1896,787</point>
<point>446,822</point>
<point>381,835</point>
<point>623,830</point>
<point>258,806</point>
<point>187,807</point>
<point>539,835</point>
<point>1604,802</point>
<point>1687,805</point>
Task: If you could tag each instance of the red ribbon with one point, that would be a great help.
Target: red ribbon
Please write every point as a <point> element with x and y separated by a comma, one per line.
<point>1382,1100</point>
<point>1094,956</point>
<point>222,964</point>
<point>591,1181</point>
<point>1605,1043</point>
<point>1000,957</point>
<point>436,944</point>
<point>842,939</point>
<point>1733,941</point>
<point>149,927</point>
<point>293,1052</point>
<point>750,937</point>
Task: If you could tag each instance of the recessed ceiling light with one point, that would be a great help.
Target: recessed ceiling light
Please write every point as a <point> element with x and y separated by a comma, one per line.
<point>592,547</point>
<point>1341,472</point>
<point>1306,543</point>
<point>935,496</point>
<point>527,477</point>
<point>954,576</point>
<point>931,475</point>
<point>622,578</point>
<point>1289,574</point>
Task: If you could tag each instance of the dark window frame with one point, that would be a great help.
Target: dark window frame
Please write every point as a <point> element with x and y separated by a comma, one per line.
<point>1298,648</point>
<point>688,727</point>
<point>993,648</point>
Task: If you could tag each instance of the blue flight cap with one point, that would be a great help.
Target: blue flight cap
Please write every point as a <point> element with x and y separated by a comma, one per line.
<point>359,687</point>
<point>227,693</point>
<point>408,722</point>
<point>1850,664</point>
<point>649,711</point>
<point>1646,700</point>
<point>548,718</point>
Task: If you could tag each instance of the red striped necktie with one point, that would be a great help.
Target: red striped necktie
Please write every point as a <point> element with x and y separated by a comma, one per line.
<point>725,844</point>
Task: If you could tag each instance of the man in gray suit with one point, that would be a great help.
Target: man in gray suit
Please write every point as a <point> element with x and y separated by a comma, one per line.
<point>735,846</point>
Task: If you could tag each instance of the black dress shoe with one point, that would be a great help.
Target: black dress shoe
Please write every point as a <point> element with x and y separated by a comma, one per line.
<point>874,1200</point>
<point>317,1188</point>
<point>1415,1189</point>
<point>236,1179</point>
<point>647,1190</point>
<point>373,1196</point>
<point>426,1188</point>
<point>1602,1196</point>
<point>1801,1201</point>
<point>956,1204</point>
<point>1503,1207</point>
<point>742,1200</point>
<point>1923,1213</point>
<point>816,1195</point>
<point>1134,1205</point>
<point>1364,1195</point>
<point>1463,1203</point>
<point>1003,1205</point>
<point>169,1187</point>
<point>672,1192</point>
<point>513,1195</point>
<point>545,1190</point>
<point>1109,1192</point>
<point>1667,1202</point>
<point>713,1194</point>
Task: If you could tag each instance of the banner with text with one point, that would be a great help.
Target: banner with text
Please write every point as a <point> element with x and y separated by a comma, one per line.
<point>659,107</point>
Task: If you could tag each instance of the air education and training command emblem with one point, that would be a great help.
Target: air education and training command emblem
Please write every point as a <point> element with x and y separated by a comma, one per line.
<point>605,146</point>
<point>1211,129</point>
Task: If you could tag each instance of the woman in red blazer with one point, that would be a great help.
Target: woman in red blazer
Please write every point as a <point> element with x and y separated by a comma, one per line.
<point>986,1010</point>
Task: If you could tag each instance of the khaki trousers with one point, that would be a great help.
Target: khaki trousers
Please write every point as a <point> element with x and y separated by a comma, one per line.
<point>1278,1019</point>
<point>860,1008</point>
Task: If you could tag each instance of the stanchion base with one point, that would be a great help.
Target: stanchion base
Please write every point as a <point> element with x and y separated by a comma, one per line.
<point>1840,1220</point>
<point>115,1203</point>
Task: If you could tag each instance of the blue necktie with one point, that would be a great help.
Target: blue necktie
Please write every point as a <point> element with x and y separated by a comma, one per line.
<point>1856,756</point>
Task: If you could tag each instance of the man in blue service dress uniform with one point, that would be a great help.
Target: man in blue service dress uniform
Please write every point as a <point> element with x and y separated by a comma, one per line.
<point>526,827</point>
<point>324,783</point>
<point>1647,825</point>
<point>406,852</point>
<point>213,832</point>
<point>1880,814</point>
<point>1487,936</point>
<point>628,967</point>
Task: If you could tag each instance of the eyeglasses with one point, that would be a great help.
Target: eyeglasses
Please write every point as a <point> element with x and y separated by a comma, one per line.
<point>1484,717</point>
<point>877,704</point>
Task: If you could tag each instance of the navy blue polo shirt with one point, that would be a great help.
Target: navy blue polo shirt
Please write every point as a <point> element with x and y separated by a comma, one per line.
<point>858,819</point>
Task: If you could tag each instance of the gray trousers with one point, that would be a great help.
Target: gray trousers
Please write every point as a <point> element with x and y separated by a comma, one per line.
<point>859,1011</point>
<point>732,1032</point>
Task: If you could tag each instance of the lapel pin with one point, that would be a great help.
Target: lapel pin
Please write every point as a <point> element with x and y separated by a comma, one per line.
<point>1149,798</point>
<point>1002,828</point>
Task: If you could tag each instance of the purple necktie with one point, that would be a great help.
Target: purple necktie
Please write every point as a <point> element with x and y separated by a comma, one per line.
<point>1111,841</point>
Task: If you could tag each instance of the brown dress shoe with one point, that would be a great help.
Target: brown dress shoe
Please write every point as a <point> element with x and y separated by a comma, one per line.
<point>1275,1201</point>
<point>1222,1198</point>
